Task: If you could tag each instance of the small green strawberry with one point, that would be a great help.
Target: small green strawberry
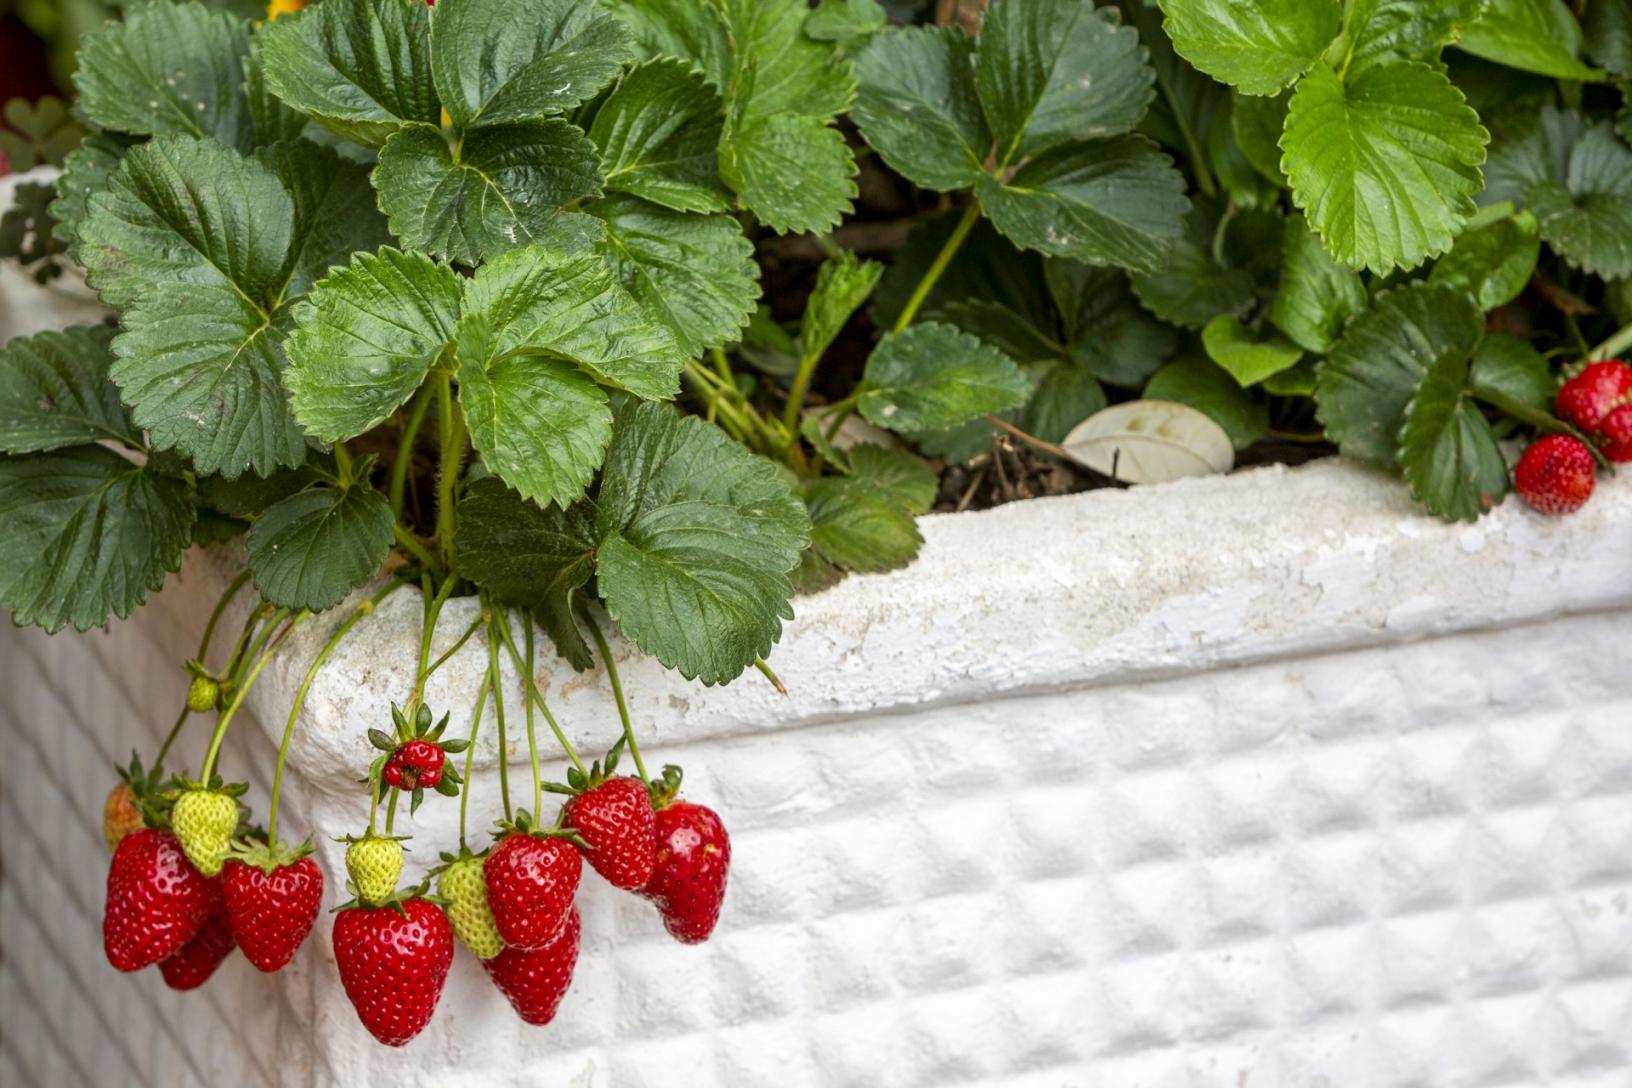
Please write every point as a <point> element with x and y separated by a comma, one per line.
<point>204,821</point>
<point>374,864</point>
<point>202,694</point>
<point>463,887</point>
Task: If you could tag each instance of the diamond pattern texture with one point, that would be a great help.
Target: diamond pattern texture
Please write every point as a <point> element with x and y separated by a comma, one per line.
<point>1401,865</point>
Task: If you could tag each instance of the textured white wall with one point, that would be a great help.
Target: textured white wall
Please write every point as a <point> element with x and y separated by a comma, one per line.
<point>1261,781</point>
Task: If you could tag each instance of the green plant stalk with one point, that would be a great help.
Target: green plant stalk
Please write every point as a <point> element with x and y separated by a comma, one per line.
<point>741,421</point>
<point>1614,346</point>
<point>800,387</point>
<point>538,696</point>
<point>170,737</point>
<point>498,709</point>
<point>532,736</point>
<point>1542,421</point>
<point>243,691</point>
<point>841,412</point>
<point>408,543</point>
<point>475,624</point>
<point>405,451</point>
<point>342,464</point>
<point>451,426</point>
<point>391,811</point>
<point>723,365</point>
<point>470,753</point>
<point>433,610</point>
<point>364,608</point>
<point>238,647</point>
<point>373,803</point>
<point>246,654</point>
<point>933,274</point>
<point>215,614</point>
<point>617,694</point>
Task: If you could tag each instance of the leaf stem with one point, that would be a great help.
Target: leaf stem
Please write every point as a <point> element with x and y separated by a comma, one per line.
<point>1614,346</point>
<point>391,811</point>
<point>452,455</point>
<point>470,752</point>
<point>533,692</point>
<point>498,709</point>
<point>410,544</point>
<point>770,674</point>
<point>532,737</point>
<point>364,608</point>
<point>932,275</point>
<point>617,693</point>
<point>170,737</point>
<point>243,688</point>
<point>215,614</point>
<point>405,451</point>
<point>475,624</point>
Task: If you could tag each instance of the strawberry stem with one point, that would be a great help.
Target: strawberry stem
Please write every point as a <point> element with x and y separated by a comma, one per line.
<point>537,696</point>
<point>498,711</point>
<point>242,689</point>
<point>405,451</point>
<point>932,275</point>
<point>470,753</point>
<point>391,811</point>
<point>363,608</point>
<point>532,737</point>
<point>215,614</point>
<point>451,428</point>
<point>617,693</point>
<point>170,738</point>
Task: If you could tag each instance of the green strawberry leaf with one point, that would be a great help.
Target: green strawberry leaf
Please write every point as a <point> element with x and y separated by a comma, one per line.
<point>496,188</point>
<point>562,301</point>
<point>1258,46</point>
<point>168,68</point>
<point>312,548</point>
<point>903,478</point>
<point>779,151</point>
<point>531,556</point>
<point>273,119</point>
<point>55,392</point>
<point>845,21</point>
<point>1107,332</point>
<point>85,171</point>
<point>1363,387</point>
<point>1248,358</point>
<point>1109,202</point>
<point>88,535</point>
<point>1492,261</point>
<point>249,496</point>
<point>995,325</point>
<point>1385,166</point>
<point>697,537</point>
<point>691,30</point>
<point>501,61</point>
<point>366,337</point>
<point>1191,287</point>
<point>1510,374</point>
<point>1257,122</point>
<point>1576,180</point>
<point>931,377</point>
<point>843,285</point>
<point>1201,385</point>
<point>916,105</point>
<point>856,527</point>
<point>1448,452</point>
<point>1540,36</point>
<point>1051,72</point>
<point>1317,296</point>
<point>335,211</point>
<point>360,68</point>
<point>658,135</point>
<point>1606,28</point>
<point>695,274</point>
<point>1066,395</point>
<point>1379,32</point>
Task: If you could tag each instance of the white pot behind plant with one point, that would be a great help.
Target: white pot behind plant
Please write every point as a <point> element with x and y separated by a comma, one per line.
<point>29,307</point>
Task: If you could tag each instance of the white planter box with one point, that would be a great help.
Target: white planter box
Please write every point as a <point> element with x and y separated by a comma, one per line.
<point>1256,781</point>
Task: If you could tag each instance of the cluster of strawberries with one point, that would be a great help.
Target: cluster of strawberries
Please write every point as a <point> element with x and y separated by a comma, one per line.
<point>188,884</point>
<point>1557,473</point>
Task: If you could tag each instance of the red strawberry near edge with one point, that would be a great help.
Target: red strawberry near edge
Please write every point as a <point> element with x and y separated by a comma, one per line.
<point>393,961</point>
<point>535,981</point>
<point>194,962</point>
<point>531,881</point>
<point>693,862</point>
<point>272,909</point>
<point>157,901</point>
<point>618,822</point>
<point>1556,474</point>
<point>1591,395</point>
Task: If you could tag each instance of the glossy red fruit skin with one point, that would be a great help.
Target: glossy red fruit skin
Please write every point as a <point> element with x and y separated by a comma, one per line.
<point>693,862</point>
<point>272,913</point>
<point>194,962</point>
<point>534,981</point>
<point>156,903</point>
<point>1595,392</point>
<point>1615,432</point>
<point>616,818</point>
<point>531,882</point>
<point>392,774</point>
<point>1556,474</point>
<point>393,965</point>
<point>421,764</point>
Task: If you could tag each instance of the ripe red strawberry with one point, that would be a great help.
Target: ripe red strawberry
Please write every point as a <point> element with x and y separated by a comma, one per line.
<point>616,819</point>
<point>1556,474</point>
<point>535,981</point>
<point>392,773</point>
<point>1595,392</point>
<point>393,961</point>
<point>531,881</point>
<point>273,910</point>
<point>194,962</point>
<point>421,764</point>
<point>693,861</point>
<point>1615,434</point>
<point>157,901</point>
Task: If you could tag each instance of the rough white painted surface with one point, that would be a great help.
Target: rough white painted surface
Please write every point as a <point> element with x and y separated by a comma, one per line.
<point>1254,781</point>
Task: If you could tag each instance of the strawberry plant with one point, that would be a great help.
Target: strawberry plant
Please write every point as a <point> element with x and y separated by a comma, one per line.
<point>572,306</point>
